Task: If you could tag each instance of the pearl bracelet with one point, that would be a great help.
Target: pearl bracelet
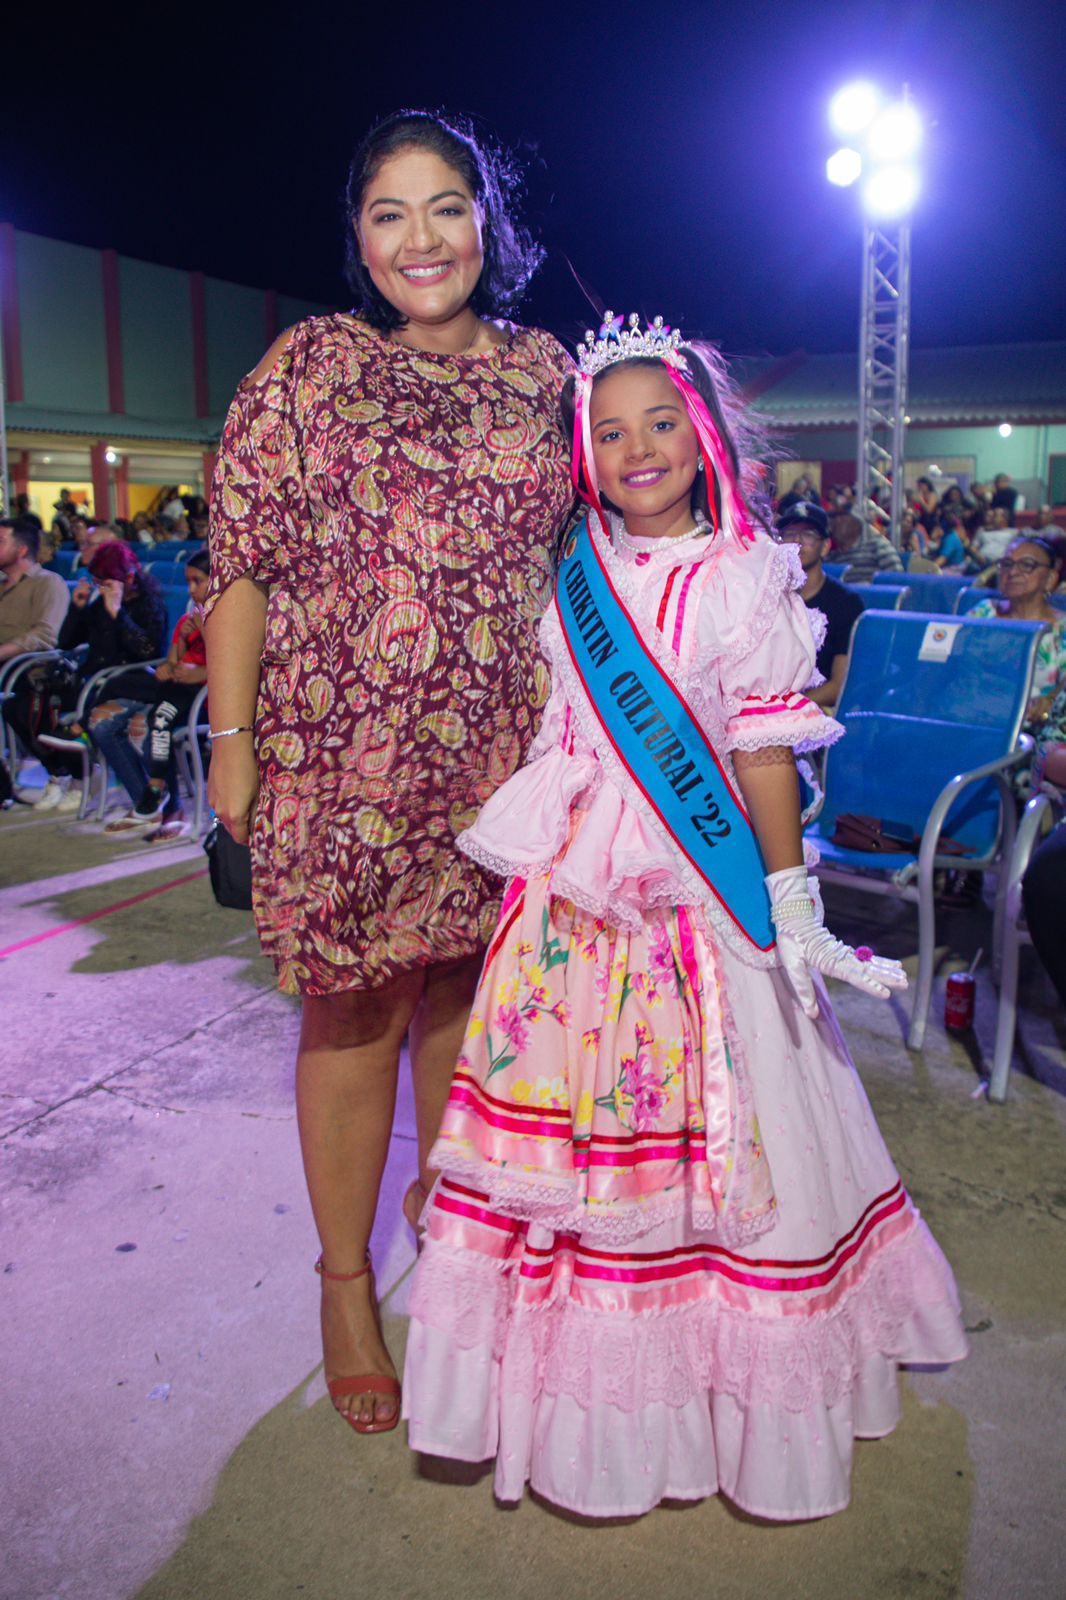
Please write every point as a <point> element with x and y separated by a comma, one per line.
<point>801,907</point>
<point>225,733</point>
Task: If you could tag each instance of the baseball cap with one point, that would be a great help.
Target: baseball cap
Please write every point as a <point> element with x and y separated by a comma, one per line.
<point>805,511</point>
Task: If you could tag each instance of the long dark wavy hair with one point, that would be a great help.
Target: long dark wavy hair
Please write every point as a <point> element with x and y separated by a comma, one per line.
<point>744,441</point>
<point>494,179</point>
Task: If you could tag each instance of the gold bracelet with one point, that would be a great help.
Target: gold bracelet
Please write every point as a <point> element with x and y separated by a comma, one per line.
<point>226,733</point>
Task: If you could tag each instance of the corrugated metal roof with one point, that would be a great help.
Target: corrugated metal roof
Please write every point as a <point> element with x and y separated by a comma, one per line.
<point>973,383</point>
<point>45,419</point>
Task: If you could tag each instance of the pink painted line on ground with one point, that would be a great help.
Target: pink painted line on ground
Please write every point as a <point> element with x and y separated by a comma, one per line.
<point>106,911</point>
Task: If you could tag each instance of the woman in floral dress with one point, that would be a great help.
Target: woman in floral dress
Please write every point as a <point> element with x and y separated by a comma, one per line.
<point>389,488</point>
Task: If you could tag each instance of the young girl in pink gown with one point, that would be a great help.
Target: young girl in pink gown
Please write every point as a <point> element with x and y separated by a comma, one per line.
<point>668,1253</point>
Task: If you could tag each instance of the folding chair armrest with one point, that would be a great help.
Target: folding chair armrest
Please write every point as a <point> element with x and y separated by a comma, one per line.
<point>953,788</point>
<point>1026,841</point>
<point>12,670</point>
<point>99,679</point>
<point>192,722</point>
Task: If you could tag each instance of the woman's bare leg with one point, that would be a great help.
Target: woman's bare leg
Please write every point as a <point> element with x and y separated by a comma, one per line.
<point>435,1039</point>
<point>345,1097</point>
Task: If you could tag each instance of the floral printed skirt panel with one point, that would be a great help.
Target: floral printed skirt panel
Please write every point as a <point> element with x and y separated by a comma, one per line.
<point>591,1059</point>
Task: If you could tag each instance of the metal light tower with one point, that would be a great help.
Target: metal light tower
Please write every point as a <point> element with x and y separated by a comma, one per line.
<point>882,141</point>
<point>884,348</point>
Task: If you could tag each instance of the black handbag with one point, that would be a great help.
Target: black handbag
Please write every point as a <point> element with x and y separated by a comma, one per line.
<point>230,867</point>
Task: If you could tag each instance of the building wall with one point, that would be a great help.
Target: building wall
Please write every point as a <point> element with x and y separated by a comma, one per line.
<point>156,340</point>
<point>61,321</point>
<point>70,354</point>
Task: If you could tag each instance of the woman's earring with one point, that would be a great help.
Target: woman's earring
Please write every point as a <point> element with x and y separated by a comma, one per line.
<point>699,465</point>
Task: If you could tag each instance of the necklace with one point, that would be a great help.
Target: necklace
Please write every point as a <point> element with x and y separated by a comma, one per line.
<point>627,541</point>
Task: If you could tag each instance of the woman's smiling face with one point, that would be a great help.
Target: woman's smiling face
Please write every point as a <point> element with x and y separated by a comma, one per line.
<point>419,230</point>
<point>645,447</point>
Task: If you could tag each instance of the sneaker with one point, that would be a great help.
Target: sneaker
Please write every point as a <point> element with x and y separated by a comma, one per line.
<point>49,797</point>
<point>71,800</point>
<point>129,822</point>
<point>176,828</point>
<point>152,805</point>
<point>30,794</point>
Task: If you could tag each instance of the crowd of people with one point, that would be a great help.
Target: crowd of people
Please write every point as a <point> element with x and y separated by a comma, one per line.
<point>954,530</point>
<point>113,616</point>
<point>174,516</point>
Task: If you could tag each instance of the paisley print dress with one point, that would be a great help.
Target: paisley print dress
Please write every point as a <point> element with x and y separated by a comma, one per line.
<point>400,508</point>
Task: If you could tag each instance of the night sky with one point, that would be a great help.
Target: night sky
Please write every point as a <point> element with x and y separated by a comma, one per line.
<point>675,151</point>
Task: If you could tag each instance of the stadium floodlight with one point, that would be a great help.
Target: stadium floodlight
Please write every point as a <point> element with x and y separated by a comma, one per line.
<point>853,108</point>
<point>896,134</point>
<point>1005,430</point>
<point>890,192</point>
<point>844,167</point>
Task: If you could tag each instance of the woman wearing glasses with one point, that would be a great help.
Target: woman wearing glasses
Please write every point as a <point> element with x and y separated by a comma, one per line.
<point>1028,573</point>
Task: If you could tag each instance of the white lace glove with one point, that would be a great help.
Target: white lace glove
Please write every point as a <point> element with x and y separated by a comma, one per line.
<point>804,942</point>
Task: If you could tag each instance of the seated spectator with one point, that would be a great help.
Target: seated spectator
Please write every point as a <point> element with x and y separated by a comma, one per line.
<point>802,489</point>
<point>167,694</point>
<point>78,528</point>
<point>64,508</point>
<point>125,623</point>
<point>33,602</point>
<point>807,526</point>
<point>981,501</point>
<point>199,528</point>
<point>1028,573</point>
<point>954,500</point>
<point>24,512</point>
<point>991,540</point>
<point>1005,495</point>
<point>926,504</point>
<point>949,546</point>
<point>912,535</point>
<point>843,498</point>
<point>1044,524</point>
<point>142,527</point>
<point>172,503</point>
<point>864,550</point>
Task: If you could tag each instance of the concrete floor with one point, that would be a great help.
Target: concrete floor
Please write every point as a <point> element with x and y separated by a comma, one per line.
<point>166,1432</point>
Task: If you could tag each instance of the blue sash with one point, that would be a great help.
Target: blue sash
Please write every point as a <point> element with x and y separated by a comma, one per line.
<point>658,741</point>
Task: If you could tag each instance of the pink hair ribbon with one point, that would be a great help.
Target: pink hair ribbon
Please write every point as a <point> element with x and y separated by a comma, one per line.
<point>715,457</point>
<point>582,451</point>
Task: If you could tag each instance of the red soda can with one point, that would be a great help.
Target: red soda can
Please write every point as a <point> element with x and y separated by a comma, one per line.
<point>959,1002</point>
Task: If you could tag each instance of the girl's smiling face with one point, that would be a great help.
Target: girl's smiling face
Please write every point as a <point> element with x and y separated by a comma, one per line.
<point>645,449</point>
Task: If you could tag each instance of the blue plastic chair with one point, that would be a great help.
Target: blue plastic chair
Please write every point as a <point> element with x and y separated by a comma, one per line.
<point>61,562</point>
<point>929,746</point>
<point>935,592</point>
<point>834,569</point>
<point>881,596</point>
<point>968,598</point>
<point>176,599</point>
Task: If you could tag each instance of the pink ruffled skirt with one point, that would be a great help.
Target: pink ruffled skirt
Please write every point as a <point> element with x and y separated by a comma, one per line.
<point>668,1253</point>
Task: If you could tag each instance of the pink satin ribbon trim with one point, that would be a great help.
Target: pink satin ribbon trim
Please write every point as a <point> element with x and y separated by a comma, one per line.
<point>718,1098</point>
<point>678,1151</point>
<point>705,1264</point>
<point>804,710</point>
<point>679,619</point>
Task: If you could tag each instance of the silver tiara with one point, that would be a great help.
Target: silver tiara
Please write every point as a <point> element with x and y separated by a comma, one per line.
<point>615,343</point>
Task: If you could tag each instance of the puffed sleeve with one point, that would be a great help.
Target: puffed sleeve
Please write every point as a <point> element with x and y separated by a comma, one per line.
<point>257,495</point>
<point>758,644</point>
